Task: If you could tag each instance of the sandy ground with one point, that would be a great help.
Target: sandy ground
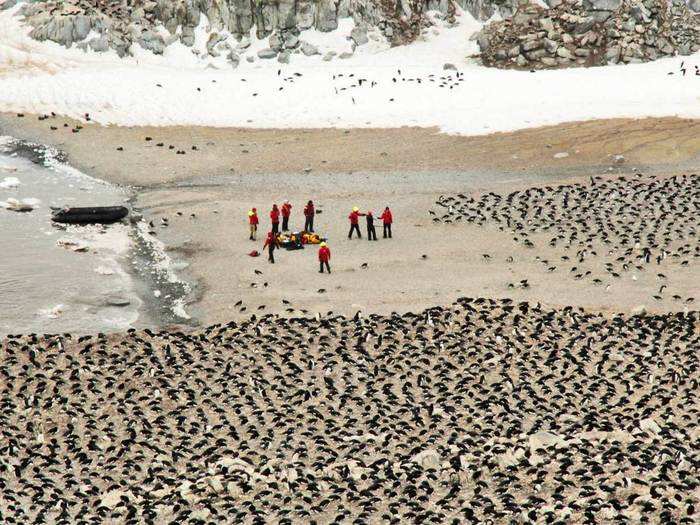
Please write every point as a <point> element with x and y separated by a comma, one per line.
<point>407,169</point>
<point>667,143</point>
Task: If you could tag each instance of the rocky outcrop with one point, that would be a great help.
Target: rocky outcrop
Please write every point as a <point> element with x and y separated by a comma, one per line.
<point>590,32</point>
<point>118,24</point>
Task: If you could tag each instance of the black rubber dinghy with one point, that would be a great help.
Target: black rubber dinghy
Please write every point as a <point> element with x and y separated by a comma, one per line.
<point>93,215</point>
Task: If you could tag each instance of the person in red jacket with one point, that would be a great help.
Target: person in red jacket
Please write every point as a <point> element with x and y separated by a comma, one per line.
<point>309,212</point>
<point>271,243</point>
<point>275,218</point>
<point>253,223</point>
<point>286,212</point>
<point>324,256</point>
<point>387,219</point>
<point>354,222</point>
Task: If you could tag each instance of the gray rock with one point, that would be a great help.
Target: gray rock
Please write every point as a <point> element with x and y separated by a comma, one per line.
<point>275,42</point>
<point>267,53</point>
<point>214,39</point>
<point>250,58</point>
<point>233,59</point>
<point>359,35</point>
<point>283,57</point>
<point>449,67</point>
<point>99,44</point>
<point>549,62</point>
<point>582,52</point>
<point>531,45</point>
<point>291,42</point>
<point>550,45</point>
<point>329,56</point>
<point>309,49</point>
<point>612,54</point>
<point>694,5</point>
<point>81,27</point>
<point>428,459</point>
<point>483,41</point>
<point>602,5</point>
<point>152,41</point>
<point>521,61</point>
<point>564,53</point>
<point>345,55</point>
<point>187,36</point>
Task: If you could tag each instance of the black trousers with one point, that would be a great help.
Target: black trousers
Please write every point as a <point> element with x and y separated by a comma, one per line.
<point>387,229</point>
<point>354,228</point>
<point>327,267</point>
<point>271,254</point>
<point>275,227</point>
<point>285,223</point>
<point>309,224</point>
<point>371,233</point>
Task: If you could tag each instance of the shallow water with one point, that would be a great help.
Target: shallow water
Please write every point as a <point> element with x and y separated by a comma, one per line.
<point>46,286</point>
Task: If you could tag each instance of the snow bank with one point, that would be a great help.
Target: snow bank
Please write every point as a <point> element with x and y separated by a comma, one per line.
<point>310,93</point>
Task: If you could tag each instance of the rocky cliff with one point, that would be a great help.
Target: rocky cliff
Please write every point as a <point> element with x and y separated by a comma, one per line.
<point>591,32</point>
<point>117,24</point>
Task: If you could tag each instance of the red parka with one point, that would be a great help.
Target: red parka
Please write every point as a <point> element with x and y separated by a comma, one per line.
<point>324,254</point>
<point>354,217</point>
<point>253,219</point>
<point>275,214</point>
<point>386,217</point>
<point>286,209</point>
<point>309,210</point>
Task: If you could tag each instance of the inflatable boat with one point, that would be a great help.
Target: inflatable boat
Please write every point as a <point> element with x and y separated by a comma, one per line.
<point>92,215</point>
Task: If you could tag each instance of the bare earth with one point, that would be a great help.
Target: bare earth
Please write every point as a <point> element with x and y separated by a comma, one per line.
<point>407,169</point>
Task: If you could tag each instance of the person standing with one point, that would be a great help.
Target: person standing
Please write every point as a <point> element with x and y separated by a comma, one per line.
<point>309,212</point>
<point>275,218</point>
<point>253,223</point>
<point>271,243</point>
<point>371,232</point>
<point>324,256</point>
<point>286,212</point>
<point>387,219</point>
<point>354,222</point>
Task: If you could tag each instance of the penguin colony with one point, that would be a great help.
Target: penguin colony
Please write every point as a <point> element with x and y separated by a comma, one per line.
<point>485,411</point>
<point>631,223</point>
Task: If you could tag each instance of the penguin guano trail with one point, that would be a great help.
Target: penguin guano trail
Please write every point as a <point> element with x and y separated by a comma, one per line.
<point>484,411</point>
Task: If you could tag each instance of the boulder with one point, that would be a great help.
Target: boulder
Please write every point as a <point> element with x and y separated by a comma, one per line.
<point>694,5</point>
<point>359,35</point>
<point>544,439</point>
<point>276,42</point>
<point>346,54</point>
<point>213,40</point>
<point>428,459</point>
<point>309,49</point>
<point>283,57</point>
<point>291,42</point>
<point>152,41</point>
<point>602,5</point>
<point>449,67</point>
<point>267,53</point>
<point>187,36</point>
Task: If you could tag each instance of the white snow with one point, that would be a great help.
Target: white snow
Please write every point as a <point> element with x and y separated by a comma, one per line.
<point>40,77</point>
<point>9,183</point>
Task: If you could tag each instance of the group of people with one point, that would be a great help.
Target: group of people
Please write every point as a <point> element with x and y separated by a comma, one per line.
<point>285,212</point>
<point>386,217</point>
<point>324,253</point>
